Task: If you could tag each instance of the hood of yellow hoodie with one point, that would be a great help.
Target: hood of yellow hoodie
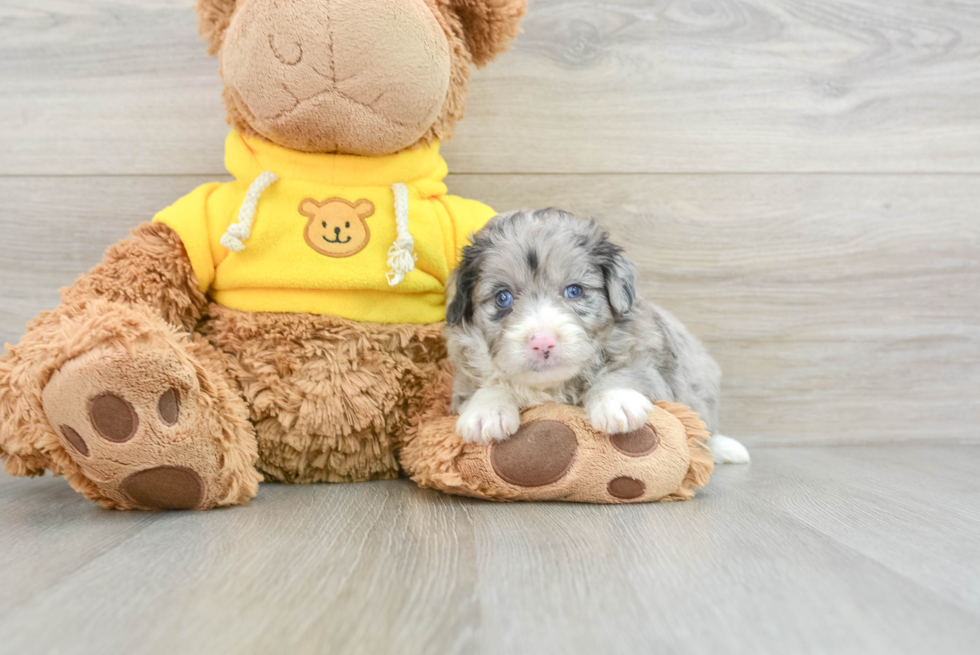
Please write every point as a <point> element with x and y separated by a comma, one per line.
<point>422,167</point>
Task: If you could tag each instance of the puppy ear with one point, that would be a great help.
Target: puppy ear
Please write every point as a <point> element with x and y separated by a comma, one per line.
<point>462,284</point>
<point>213,17</point>
<point>489,25</point>
<point>619,275</point>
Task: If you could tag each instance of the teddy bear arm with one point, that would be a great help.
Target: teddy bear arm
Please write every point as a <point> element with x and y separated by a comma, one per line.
<point>144,283</point>
<point>151,268</point>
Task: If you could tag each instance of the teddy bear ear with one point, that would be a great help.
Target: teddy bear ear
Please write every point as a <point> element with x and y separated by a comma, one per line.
<point>489,25</point>
<point>213,17</point>
<point>309,208</point>
<point>364,208</point>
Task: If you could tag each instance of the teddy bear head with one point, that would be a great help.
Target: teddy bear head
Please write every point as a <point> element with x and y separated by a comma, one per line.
<point>363,77</point>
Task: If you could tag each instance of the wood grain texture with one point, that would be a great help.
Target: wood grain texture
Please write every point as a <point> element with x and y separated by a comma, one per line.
<point>123,86</point>
<point>841,308</point>
<point>789,555</point>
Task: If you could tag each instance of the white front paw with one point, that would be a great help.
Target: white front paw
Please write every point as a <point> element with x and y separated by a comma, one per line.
<point>486,423</point>
<point>619,410</point>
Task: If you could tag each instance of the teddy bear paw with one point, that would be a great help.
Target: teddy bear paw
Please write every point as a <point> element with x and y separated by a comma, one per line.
<point>565,460</point>
<point>557,454</point>
<point>138,425</point>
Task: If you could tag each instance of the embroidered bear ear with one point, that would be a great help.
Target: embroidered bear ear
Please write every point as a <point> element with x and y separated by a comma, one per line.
<point>364,208</point>
<point>309,208</point>
<point>489,25</point>
<point>213,17</point>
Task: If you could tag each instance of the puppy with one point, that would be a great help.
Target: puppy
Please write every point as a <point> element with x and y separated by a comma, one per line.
<point>543,308</point>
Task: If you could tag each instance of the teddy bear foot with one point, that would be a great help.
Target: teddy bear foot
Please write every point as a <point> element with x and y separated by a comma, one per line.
<point>142,428</point>
<point>557,455</point>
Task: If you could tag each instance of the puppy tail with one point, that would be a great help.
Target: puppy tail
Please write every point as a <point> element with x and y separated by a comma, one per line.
<point>726,450</point>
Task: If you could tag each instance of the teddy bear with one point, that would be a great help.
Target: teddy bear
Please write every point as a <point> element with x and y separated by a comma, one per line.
<point>286,325</point>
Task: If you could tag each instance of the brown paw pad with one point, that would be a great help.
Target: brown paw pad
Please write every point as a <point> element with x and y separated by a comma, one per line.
<point>164,487</point>
<point>138,427</point>
<point>71,436</point>
<point>637,443</point>
<point>538,454</point>
<point>168,407</point>
<point>113,417</point>
<point>626,488</point>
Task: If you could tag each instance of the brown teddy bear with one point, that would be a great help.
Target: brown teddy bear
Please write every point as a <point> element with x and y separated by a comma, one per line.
<point>287,324</point>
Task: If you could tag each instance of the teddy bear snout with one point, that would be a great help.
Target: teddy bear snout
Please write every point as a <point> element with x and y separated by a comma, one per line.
<point>365,77</point>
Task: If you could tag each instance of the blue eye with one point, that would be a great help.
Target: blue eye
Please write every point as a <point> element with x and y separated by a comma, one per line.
<point>573,291</point>
<point>504,299</point>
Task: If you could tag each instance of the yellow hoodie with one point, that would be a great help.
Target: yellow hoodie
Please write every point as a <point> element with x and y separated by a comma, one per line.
<point>308,233</point>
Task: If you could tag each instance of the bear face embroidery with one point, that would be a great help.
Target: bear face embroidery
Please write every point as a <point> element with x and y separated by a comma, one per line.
<point>337,228</point>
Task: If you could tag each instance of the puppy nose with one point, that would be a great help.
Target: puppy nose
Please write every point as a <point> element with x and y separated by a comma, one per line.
<point>542,343</point>
<point>336,231</point>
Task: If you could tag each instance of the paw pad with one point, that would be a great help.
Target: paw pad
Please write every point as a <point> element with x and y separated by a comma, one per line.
<point>164,487</point>
<point>626,488</point>
<point>134,423</point>
<point>538,454</point>
<point>168,407</point>
<point>71,436</point>
<point>637,443</point>
<point>113,417</point>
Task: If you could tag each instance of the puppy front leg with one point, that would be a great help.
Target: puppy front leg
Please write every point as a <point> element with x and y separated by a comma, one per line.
<point>491,414</point>
<point>617,409</point>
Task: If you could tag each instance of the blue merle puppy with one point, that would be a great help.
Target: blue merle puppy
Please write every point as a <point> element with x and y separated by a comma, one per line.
<point>543,308</point>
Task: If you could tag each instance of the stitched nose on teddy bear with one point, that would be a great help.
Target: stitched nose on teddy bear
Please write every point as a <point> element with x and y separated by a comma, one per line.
<point>364,77</point>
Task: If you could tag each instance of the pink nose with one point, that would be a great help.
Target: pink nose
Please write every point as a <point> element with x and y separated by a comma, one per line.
<point>542,343</point>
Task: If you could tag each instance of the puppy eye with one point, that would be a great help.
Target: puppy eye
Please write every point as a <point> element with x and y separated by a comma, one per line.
<point>324,223</point>
<point>347,224</point>
<point>504,299</point>
<point>573,291</point>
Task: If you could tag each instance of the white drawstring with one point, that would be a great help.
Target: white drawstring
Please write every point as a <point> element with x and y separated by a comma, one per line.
<point>236,233</point>
<point>401,255</point>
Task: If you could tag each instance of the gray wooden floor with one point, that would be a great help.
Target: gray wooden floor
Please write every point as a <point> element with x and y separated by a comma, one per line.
<point>808,550</point>
<point>798,180</point>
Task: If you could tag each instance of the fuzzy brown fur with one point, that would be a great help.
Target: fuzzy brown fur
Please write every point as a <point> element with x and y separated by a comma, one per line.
<point>329,398</point>
<point>151,266</point>
<point>213,17</point>
<point>488,25</point>
<point>702,464</point>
